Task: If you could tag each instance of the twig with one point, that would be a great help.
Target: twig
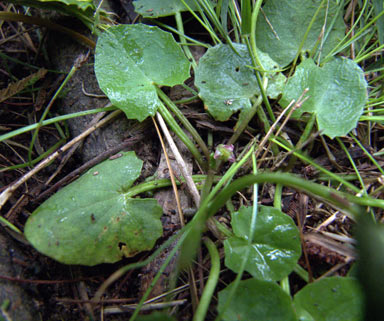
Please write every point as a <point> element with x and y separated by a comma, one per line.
<point>94,121</point>
<point>146,307</point>
<point>171,174</point>
<point>6,194</point>
<point>180,161</point>
<point>300,101</point>
<point>89,164</point>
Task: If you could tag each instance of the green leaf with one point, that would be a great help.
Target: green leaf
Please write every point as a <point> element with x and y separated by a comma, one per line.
<point>257,300</point>
<point>337,94</point>
<point>275,248</point>
<point>92,221</point>
<point>226,82</point>
<point>281,29</point>
<point>162,8</point>
<point>131,60</point>
<point>330,299</point>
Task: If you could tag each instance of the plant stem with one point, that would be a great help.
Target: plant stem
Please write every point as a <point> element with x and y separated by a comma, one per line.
<point>303,138</point>
<point>10,225</point>
<point>255,13</point>
<point>353,164</point>
<point>54,120</point>
<point>350,203</point>
<point>299,50</point>
<point>158,274</point>
<point>188,126</point>
<point>180,133</point>
<point>74,68</point>
<point>301,272</point>
<point>244,123</point>
<point>210,286</point>
<point>264,119</point>
<point>180,28</point>
<point>39,158</point>
<point>160,183</point>
<point>320,168</point>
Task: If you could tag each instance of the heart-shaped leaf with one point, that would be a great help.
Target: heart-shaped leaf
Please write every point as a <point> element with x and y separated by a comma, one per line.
<point>275,247</point>
<point>337,94</point>
<point>131,60</point>
<point>226,82</point>
<point>162,8</point>
<point>93,221</point>
<point>256,300</point>
<point>283,24</point>
<point>330,299</point>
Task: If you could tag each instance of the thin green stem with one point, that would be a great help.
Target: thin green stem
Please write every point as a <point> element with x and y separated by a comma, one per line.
<point>171,254</point>
<point>255,13</point>
<point>188,126</point>
<point>303,138</point>
<point>346,41</point>
<point>183,136</point>
<point>301,272</point>
<point>161,183</point>
<point>54,120</point>
<point>10,225</point>
<point>180,28</point>
<point>210,286</point>
<point>192,42</point>
<point>373,160</point>
<point>284,284</point>
<point>74,68</point>
<point>265,121</point>
<point>205,25</point>
<point>251,234</point>
<point>242,125</point>
<point>299,50</point>
<point>277,197</point>
<point>186,100</point>
<point>36,160</point>
<point>320,168</point>
<point>353,164</point>
<point>350,203</point>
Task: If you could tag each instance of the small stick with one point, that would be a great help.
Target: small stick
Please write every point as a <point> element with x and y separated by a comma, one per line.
<point>180,161</point>
<point>7,193</point>
<point>89,164</point>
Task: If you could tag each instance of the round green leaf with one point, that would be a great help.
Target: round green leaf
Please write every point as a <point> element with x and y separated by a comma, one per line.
<point>131,60</point>
<point>226,83</point>
<point>92,221</point>
<point>281,29</point>
<point>162,8</point>
<point>275,248</point>
<point>330,299</point>
<point>256,300</point>
<point>337,94</point>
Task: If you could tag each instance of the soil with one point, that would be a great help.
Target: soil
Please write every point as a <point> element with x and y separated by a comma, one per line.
<point>34,287</point>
